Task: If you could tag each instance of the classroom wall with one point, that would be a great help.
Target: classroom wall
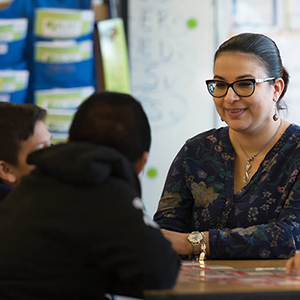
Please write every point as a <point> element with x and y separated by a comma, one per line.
<point>171,46</point>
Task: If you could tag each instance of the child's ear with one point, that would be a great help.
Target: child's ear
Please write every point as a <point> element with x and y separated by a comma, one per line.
<point>139,165</point>
<point>6,173</point>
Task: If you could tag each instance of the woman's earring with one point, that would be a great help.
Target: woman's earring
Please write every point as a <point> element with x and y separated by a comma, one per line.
<point>275,116</point>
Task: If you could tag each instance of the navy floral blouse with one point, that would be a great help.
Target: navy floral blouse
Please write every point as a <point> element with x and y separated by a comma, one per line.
<point>262,220</point>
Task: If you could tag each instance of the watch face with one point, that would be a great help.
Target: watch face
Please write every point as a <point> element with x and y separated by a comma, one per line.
<point>195,237</point>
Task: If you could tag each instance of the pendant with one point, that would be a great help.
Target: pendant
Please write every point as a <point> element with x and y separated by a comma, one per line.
<point>247,169</point>
<point>246,177</point>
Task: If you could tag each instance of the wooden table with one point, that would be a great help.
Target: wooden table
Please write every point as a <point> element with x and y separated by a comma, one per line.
<point>205,290</point>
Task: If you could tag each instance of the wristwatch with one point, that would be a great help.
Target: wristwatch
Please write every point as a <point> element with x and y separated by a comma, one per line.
<point>197,239</point>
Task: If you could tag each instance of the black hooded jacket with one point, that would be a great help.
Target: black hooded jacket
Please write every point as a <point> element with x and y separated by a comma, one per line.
<point>4,190</point>
<point>75,229</point>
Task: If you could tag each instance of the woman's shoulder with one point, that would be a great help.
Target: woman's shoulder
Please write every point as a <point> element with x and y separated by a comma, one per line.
<point>292,133</point>
<point>289,141</point>
<point>294,128</point>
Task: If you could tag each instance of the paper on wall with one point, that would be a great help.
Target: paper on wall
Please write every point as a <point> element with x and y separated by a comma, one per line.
<point>13,29</point>
<point>63,51</point>
<point>59,120</point>
<point>11,81</point>
<point>62,98</point>
<point>63,23</point>
<point>114,55</point>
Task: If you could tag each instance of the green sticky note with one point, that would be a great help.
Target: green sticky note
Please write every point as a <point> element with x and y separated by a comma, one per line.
<point>152,172</point>
<point>192,23</point>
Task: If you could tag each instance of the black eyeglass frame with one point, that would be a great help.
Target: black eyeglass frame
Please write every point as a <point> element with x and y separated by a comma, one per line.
<point>253,80</point>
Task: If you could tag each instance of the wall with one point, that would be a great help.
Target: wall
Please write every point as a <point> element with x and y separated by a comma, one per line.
<point>278,19</point>
<point>171,46</point>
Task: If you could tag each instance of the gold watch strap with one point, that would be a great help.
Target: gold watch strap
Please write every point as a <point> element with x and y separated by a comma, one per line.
<point>202,247</point>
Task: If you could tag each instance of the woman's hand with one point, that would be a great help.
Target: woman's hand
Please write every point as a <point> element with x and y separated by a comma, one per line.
<point>293,263</point>
<point>180,241</point>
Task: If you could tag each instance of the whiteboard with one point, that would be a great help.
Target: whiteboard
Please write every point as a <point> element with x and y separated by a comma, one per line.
<point>171,47</point>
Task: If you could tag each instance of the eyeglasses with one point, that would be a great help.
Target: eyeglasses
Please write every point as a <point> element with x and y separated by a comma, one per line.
<point>243,87</point>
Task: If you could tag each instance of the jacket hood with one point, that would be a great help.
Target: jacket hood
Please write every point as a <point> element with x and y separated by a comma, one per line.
<point>84,164</point>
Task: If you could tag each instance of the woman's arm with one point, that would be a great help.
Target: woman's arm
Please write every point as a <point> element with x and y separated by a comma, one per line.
<point>175,206</point>
<point>180,242</point>
<point>275,238</point>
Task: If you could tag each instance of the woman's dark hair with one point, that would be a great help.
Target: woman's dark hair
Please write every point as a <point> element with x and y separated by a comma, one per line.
<point>17,122</point>
<point>264,49</point>
<point>113,119</point>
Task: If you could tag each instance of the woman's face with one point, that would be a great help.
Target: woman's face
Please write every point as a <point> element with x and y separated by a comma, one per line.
<point>245,114</point>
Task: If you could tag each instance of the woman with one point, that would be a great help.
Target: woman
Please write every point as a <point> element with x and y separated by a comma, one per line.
<point>238,185</point>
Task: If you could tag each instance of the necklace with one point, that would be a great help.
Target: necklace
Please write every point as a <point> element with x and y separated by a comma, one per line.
<point>251,158</point>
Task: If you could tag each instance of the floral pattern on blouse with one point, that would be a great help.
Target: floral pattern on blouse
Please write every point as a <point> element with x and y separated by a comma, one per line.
<point>262,220</point>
